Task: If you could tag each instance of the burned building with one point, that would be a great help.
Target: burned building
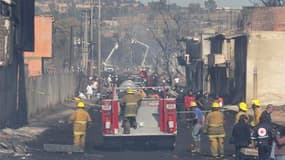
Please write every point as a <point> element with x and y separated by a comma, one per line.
<point>16,27</point>
<point>226,66</point>
<point>247,66</point>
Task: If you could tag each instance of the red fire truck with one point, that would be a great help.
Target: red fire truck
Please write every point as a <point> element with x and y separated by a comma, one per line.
<point>156,119</point>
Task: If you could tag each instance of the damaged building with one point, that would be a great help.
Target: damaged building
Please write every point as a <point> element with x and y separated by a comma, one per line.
<point>16,27</point>
<point>247,66</point>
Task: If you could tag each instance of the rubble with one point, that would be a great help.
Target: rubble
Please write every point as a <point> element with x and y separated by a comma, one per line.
<point>12,141</point>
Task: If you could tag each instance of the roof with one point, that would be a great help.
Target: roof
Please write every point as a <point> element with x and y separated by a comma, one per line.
<point>226,36</point>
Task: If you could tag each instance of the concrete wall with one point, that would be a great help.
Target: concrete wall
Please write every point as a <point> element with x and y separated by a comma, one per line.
<point>46,91</point>
<point>266,55</point>
<point>8,94</point>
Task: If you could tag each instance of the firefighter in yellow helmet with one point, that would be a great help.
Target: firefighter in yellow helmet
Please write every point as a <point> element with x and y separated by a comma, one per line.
<point>242,111</point>
<point>80,119</point>
<point>255,104</point>
<point>129,105</point>
<point>214,127</point>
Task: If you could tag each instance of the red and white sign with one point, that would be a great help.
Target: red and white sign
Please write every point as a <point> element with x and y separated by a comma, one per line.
<point>262,132</point>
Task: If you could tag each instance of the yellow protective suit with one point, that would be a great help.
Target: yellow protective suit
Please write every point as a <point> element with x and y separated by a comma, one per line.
<point>216,132</point>
<point>80,118</point>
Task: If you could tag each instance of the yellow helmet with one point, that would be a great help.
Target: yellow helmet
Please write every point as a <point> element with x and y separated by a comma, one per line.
<point>80,105</point>
<point>216,105</point>
<point>130,91</point>
<point>193,104</point>
<point>243,106</point>
<point>255,102</point>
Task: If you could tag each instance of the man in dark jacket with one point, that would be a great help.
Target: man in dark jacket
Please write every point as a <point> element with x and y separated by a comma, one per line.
<point>263,133</point>
<point>241,135</point>
<point>266,115</point>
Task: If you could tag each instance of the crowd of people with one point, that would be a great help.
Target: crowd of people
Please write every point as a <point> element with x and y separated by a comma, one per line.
<point>249,131</point>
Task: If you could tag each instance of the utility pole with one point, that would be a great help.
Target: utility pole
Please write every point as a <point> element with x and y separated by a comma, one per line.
<point>99,43</point>
<point>70,48</point>
<point>85,44</point>
<point>81,43</point>
<point>92,37</point>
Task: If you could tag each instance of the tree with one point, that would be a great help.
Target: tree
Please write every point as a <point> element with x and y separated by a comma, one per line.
<point>268,3</point>
<point>211,5</point>
<point>166,26</point>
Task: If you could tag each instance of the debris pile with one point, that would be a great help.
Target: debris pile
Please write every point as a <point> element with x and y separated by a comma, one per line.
<point>12,141</point>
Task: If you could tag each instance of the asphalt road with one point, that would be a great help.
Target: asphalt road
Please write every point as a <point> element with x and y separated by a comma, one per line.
<point>62,134</point>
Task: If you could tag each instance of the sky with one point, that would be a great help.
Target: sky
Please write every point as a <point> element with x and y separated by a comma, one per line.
<point>221,3</point>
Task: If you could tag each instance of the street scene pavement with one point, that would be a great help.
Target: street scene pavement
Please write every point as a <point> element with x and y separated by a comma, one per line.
<point>60,132</point>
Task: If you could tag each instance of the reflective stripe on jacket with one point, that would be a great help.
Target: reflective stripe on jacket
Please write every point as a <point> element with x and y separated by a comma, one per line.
<point>215,124</point>
<point>130,104</point>
<point>80,118</point>
<point>79,133</point>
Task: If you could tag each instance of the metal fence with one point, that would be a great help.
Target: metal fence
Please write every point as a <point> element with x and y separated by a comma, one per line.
<point>48,90</point>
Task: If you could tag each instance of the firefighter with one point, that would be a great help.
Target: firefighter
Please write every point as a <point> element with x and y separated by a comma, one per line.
<point>255,104</point>
<point>242,111</point>
<point>130,106</point>
<point>214,127</point>
<point>198,121</point>
<point>80,119</point>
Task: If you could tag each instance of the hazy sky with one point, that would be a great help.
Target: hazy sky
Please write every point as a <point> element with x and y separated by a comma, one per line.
<point>221,3</point>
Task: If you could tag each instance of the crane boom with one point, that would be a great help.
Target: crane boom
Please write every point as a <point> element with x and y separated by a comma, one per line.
<point>146,51</point>
<point>111,53</point>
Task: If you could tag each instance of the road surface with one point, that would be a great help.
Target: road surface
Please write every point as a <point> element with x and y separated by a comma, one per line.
<point>61,133</point>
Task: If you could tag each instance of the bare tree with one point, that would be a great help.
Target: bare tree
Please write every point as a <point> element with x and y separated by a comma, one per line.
<point>268,2</point>
<point>166,35</point>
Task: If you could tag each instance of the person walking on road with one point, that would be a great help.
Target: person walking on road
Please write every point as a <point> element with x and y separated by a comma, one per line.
<point>198,122</point>
<point>242,111</point>
<point>129,105</point>
<point>80,119</point>
<point>89,91</point>
<point>255,104</point>
<point>241,136</point>
<point>215,129</point>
